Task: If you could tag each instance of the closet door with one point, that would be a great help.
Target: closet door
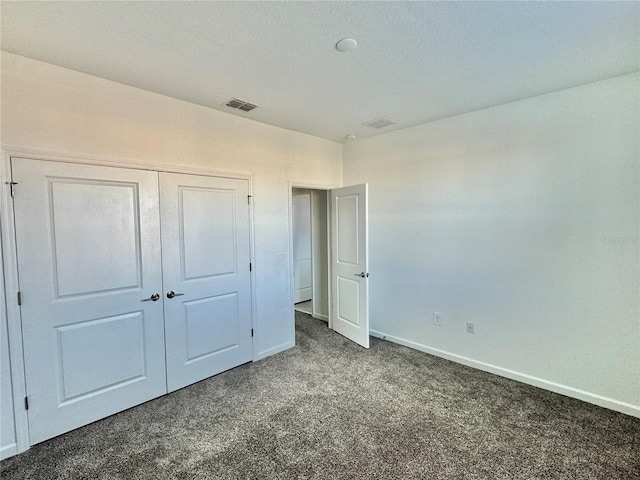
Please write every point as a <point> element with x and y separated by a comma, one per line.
<point>206,255</point>
<point>89,265</point>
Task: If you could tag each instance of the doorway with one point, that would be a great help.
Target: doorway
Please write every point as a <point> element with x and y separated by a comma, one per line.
<point>310,260</point>
<point>339,261</point>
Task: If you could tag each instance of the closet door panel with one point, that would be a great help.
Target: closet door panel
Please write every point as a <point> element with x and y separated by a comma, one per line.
<point>89,262</point>
<point>206,255</point>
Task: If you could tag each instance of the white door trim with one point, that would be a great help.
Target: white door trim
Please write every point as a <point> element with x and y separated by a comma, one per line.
<point>36,154</point>
<point>11,286</point>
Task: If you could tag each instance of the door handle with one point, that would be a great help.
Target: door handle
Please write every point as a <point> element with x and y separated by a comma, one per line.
<point>153,298</point>
<point>172,294</point>
<point>362,274</point>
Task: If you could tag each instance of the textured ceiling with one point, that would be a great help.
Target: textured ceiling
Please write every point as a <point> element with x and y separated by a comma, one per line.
<point>415,62</point>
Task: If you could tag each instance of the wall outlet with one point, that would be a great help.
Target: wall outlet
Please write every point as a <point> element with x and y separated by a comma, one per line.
<point>470,327</point>
<point>437,318</point>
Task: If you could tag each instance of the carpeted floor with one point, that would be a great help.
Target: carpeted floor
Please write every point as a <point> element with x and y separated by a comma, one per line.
<point>328,409</point>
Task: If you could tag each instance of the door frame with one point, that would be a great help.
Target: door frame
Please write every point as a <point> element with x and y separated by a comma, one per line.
<point>10,263</point>
<point>14,324</point>
<point>308,186</point>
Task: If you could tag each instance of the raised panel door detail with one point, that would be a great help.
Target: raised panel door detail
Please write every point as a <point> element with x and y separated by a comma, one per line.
<point>348,295</point>
<point>212,325</point>
<point>347,208</point>
<point>101,354</point>
<point>94,236</point>
<point>208,228</point>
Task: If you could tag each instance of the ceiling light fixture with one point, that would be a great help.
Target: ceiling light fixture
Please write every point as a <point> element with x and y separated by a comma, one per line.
<point>346,45</point>
<point>351,136</point>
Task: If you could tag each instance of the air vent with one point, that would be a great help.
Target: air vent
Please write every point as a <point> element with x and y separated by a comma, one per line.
<point>240,105</point>
<point>379,122</point>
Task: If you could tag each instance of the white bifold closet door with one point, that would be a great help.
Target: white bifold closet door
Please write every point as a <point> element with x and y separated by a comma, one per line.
<point>91,250</point>
<point>205,252</point>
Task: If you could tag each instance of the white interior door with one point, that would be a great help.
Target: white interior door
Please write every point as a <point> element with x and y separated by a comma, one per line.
<point>301,214</point>
<point>88,247</point>
<point>206,255</point>
<point>350,263</point>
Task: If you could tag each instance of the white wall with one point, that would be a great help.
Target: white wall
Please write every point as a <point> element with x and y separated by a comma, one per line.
<point>523,219</point>
<point>48,108</point>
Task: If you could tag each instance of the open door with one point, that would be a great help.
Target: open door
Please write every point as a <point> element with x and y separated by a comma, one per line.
<point>350,263</point>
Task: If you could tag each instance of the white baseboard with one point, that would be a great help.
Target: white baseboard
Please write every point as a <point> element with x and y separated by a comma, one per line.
<point>320,316</point>
<point>8,451</point>
<point>273,350</point>
<point>618,406</point>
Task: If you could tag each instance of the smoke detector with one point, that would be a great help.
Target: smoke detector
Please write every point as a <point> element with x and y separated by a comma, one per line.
<point>346,45</point>
<point>241,105</point>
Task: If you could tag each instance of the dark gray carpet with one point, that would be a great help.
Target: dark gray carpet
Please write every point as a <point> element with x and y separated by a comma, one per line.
<point>328,409</point>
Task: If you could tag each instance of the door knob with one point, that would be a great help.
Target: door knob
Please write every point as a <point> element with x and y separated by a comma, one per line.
<point>362,274</point>
<point>153,298</point>
<point>172,294</point>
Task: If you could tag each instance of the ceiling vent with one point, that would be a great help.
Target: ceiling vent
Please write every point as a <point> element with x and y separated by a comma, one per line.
<point>240,105</point>
<point>379,122</point>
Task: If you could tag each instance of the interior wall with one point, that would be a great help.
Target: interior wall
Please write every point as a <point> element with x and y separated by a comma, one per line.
<point>52,109</point>
<point>523,219</point>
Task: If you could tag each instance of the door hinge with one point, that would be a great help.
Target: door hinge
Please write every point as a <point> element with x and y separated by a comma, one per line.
<point>26,403</point>
<point>12,185</point>
<point>250,267</point>
<point>249,197</point>
<point>19,298</point>
<point>252,332</point>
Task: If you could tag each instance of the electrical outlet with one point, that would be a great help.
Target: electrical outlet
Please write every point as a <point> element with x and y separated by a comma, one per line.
<point>437,318</point>
<point>470,327</point>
